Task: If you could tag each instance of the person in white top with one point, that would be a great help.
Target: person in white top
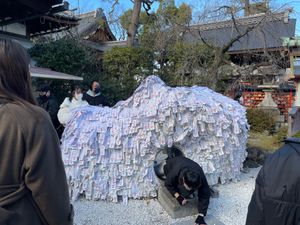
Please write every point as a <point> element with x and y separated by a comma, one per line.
<point>70,103</point>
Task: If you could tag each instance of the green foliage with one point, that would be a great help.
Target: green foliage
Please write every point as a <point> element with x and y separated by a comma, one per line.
<point>263,141</point>
<point>179,63</point>
<point>145,19</point>
<point>65,55</point>
<point>184,14</point>
<point>260,120</point>
<point>124,69</point>
<point>297,135</point>
<point>225,77</point>
<point>125,19</point>
<point>281,133</point>
<point>68,56</point>
<point>187,64</point>
<point>182,50</point>
<point>173,15</point>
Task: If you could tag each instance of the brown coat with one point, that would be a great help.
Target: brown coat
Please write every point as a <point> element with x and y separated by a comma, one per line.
<point>33,186</point>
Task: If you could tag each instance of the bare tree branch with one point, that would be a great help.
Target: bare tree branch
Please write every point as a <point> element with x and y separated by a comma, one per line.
<point>232,16</point>
<point>113,7</point>
<point>147,5</point>
<point>204,41</point>
<point>238,37</point>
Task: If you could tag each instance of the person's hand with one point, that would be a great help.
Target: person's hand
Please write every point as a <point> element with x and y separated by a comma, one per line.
<point>181,200</point>
<point>200,220</point>
<point>184,202</point>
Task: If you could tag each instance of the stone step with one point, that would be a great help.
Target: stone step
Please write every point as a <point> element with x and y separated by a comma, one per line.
<point>172,207</point>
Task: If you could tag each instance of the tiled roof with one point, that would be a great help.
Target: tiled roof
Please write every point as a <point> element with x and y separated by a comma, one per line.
<point>91,22</point>
<point>268,32</point>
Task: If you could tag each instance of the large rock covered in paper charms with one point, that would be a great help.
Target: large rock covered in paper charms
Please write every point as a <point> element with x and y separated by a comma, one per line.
<point>109,152</point>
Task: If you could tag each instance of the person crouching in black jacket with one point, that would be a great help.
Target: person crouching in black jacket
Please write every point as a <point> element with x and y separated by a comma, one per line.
<point>183,178</point>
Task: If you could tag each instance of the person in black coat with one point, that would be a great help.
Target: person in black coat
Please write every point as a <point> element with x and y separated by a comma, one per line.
<point>49,103</point>
<point>93,95</point>
<point>183,178</point>
<point>276,198</point>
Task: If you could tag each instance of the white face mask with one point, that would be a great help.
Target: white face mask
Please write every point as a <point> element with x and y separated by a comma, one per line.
<point>78,96</point>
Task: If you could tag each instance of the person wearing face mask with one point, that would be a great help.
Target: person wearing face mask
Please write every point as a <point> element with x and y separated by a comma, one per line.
<point>48,102</point>
<point>70,103</point>
<point>93,95</point>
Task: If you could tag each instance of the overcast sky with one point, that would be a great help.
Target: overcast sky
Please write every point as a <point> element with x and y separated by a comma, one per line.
<point>89,5</point>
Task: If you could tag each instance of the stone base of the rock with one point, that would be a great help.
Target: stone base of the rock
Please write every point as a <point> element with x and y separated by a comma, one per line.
<point>173,208</point>
<point>176,211</point>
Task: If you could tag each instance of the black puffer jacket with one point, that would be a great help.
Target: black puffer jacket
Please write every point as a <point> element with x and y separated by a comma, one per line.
<point>276,199</point>
<point>174,174</point>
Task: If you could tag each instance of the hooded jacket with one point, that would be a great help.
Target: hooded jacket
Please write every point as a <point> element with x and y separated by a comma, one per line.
<point>33,185</point>
<point>276,198</point>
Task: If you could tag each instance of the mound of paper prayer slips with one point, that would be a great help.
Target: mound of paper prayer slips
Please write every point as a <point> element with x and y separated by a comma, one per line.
<point>109,152</point>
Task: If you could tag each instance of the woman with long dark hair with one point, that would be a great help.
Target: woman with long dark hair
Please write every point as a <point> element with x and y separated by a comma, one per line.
<point>33,185</point>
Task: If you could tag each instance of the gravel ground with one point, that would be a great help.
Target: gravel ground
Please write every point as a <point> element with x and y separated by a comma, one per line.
<point>232,205</point>
<point>230,208</point>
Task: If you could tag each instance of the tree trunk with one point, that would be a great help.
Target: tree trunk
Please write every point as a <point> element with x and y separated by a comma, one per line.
<point>247,8</point>
<point>213,70</point>
<point>134,22</point>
